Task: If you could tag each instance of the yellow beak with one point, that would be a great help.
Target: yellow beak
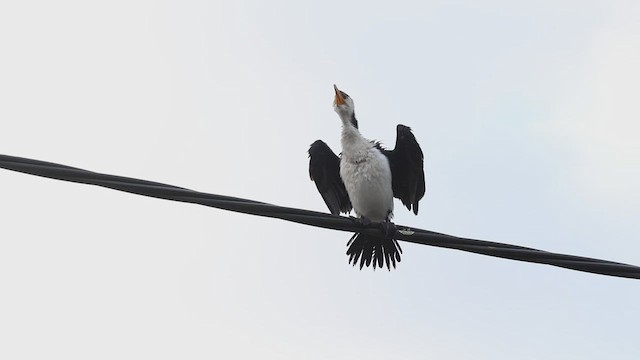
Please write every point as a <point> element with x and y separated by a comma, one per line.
<point>339,98</point>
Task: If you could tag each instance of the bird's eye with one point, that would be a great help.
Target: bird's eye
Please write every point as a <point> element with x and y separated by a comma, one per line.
<point>344,95</point>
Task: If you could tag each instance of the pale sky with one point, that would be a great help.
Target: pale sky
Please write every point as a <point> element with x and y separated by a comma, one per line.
<point>526,112</point>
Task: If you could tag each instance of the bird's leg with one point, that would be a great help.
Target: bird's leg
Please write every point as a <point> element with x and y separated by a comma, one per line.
<point>365,221</point>
<point>362,221</point>
<point>388,228</point>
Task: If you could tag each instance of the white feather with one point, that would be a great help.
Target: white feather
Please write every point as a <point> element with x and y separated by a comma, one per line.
<point>366,174</point>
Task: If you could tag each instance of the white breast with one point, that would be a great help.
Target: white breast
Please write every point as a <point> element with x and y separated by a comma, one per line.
<point>366,175</point>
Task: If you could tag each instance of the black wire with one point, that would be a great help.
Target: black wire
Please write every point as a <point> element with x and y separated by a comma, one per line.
<point>314,218</point>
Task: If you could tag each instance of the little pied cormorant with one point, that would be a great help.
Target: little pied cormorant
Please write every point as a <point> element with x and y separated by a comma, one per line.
<point>366,177</point>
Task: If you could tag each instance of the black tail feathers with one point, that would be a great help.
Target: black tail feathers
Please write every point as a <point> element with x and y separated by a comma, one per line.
<point>373,249</point>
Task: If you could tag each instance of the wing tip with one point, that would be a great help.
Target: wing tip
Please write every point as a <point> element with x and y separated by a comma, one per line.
<point>314,147</point>
<point>402,128</point>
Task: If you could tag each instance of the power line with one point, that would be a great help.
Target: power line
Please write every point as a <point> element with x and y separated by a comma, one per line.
<point>314,218</point>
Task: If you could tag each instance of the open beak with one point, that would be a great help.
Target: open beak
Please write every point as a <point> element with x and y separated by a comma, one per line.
<point>339,98</point>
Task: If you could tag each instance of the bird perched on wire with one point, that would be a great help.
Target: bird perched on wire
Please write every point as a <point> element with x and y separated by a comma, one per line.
<point>366,177</point>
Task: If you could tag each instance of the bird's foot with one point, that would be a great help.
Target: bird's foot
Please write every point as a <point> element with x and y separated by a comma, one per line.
<point>388,228</point>
<point>362,221</point>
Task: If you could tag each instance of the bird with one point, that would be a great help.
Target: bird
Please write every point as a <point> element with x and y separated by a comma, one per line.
<point>366,177</point>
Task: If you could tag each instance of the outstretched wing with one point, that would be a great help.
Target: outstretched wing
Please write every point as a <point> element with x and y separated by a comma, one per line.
<point>407,168</point>
<point>324,170</point>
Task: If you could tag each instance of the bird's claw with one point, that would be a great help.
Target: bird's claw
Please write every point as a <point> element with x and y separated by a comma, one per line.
<point>362,221</point>
<point>388,228</point>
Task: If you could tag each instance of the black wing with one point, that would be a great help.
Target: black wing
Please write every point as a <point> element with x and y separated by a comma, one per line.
<point>407,168</point>
<point>324,169</point>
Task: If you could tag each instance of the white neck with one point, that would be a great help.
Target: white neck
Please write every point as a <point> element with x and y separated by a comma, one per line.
<point>354,146</point>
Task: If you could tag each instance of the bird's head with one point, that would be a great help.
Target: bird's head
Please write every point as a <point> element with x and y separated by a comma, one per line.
<point>343,105</point>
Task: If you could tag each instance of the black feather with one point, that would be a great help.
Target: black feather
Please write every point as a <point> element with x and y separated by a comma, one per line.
<point>324,170</point>
<point>373,249</point>
<point>407,168</point>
